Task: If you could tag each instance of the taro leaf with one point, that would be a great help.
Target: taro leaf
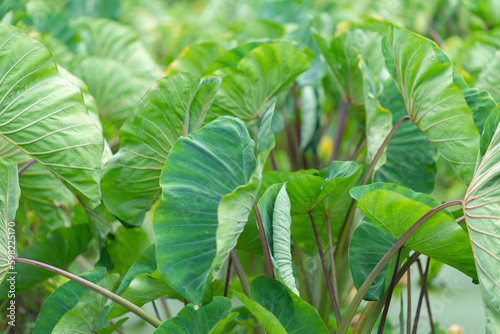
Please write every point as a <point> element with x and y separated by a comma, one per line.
<point>63,299</point>
<point>174,107</point>
<point>263,73</point>
<point>105,38</point>
<point>410,156</point>
<point>233,56</point>
<point>115,87</point>
<point>195,59</point>
<point>481,103</point>
<point>9,202</point>
<point>145,264</point>
<point>59,249</point>
<point>85,315</point>
<point>433,101</point>
<point>378,119</point>
<point>274,207</point>
<point>488,79</point>
<point>440,237</point>
<point>490,126</point>
<point>342,58</point>
<point>367,247</point>
<point>193,319</point>
<point>320,192</point>
<point>36,98</point>
<point>481,206</point>
<point>208,201</point>
<point>279,310</point>
<point>143,289</point>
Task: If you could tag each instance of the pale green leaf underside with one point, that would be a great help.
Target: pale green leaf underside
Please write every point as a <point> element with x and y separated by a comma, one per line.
<point>9,201</point>
<point>481,206</point>
<point>433,101</point>
<point>172,108</point>
<point>44,115</point>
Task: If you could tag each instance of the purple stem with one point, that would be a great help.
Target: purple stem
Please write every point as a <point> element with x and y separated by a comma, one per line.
<point>26,166</point>
<point>389,296</point>
<point>336,308</point>
<point>340,130</point>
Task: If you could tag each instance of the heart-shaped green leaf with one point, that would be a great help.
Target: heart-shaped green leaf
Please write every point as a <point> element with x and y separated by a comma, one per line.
<point>174,107</point>
<point>44,115</point>
<point>440,237</point>
<point>263,73</point>
<point>204,207</point>
<point>481,206</point>
<point>433,101</point>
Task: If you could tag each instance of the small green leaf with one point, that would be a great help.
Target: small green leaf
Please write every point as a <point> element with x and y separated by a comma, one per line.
<point>84,316</point>
<point>64,298</point>
<point>193,319</point>
<point>367,247</point>
<point>280,310</point>
<point>195,59</point>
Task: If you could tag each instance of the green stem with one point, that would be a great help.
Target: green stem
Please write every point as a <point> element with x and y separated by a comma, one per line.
<point>265,244</point>
<point>106,293</point>
<point>351,311</point>
<point>165,308</point>
<point>408,289</point>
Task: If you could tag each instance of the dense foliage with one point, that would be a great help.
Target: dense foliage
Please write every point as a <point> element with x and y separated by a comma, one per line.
<point>269,164</point>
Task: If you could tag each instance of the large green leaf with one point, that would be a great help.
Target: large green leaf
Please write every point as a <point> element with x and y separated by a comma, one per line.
<point>195,59</point>
<point>440,237</point>
<point>263,73</point>
<point>193,319</point>
<point>44,115</point>
<point>367,247</point>
<point>116,88</point>
<point>109,39</point>
<point>489,130</point>
<point>320,192</point>
<point>174,107</point>
<point>85,316</point>
<point>433,101</point>
<point>274,207</point>
<point>59,249</point>
<point>145,264</point>
<point>9,201</point>
<point>488,79</point>
<point>64,298</point>
<point>280,310</point>
<point>481,206</point>
<point>204,200</point>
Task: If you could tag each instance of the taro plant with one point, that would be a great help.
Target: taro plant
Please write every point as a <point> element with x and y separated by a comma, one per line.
<point>281,178</point>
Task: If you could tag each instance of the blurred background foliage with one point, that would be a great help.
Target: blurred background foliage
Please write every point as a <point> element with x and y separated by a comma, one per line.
<point>119,48</point>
